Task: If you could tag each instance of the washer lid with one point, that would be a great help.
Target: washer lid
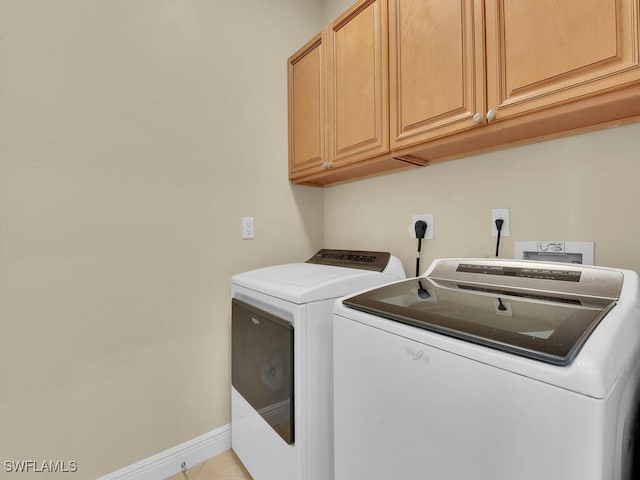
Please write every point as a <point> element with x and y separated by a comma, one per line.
<point>308,282</point>
<point>547,326</point>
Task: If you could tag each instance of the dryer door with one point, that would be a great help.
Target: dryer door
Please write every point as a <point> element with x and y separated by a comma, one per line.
<point>262,365</point>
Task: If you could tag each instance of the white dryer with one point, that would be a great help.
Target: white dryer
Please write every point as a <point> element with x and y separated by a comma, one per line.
<point>491,370</point>
<point>282,357</point>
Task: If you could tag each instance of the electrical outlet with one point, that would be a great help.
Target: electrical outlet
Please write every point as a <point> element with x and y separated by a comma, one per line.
<point>427,217</point>
<point>247,228</point>
<point>502,213</point>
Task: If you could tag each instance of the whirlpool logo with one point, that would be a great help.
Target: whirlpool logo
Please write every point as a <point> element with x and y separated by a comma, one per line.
<point>417,355</point>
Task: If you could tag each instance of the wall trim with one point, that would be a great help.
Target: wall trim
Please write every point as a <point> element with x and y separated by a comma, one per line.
<point>167,463</point>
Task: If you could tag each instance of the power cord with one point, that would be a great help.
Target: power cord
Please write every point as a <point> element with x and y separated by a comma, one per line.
<point>421,230</point>
<point>501,305</point>
<point>499,223</point>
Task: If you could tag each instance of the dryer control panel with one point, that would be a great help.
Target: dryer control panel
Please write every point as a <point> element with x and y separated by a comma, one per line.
<point>365,260</point>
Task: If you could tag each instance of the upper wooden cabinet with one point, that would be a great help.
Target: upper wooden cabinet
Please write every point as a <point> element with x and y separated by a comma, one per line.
<point>541,53</point>
<point>397,83</point>
<point>436,68</point>
<point>307,140</point>
<point>460,64</point>
<point>339,101</point>
<point>357,84</point>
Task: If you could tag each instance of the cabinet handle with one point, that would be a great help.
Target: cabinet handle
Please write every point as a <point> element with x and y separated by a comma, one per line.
<point>477,118</point>
<point>491,115</point>
<point>326,165</point>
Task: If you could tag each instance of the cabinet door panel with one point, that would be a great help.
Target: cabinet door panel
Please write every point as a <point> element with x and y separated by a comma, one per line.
<point>436,67</point>
<point>306,108</point>
<point>357,83</point>
<point>545,52</point>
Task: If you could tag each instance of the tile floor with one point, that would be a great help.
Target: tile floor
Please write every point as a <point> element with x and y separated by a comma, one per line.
<point>225,466</point>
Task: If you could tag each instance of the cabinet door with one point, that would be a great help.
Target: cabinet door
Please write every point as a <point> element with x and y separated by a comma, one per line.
<point>547,52</point>
<point>436,66</point>
<point>357,87</point>
<point>306,109</point>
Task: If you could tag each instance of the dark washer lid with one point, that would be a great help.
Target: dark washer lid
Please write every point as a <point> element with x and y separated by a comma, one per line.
<point>546,326</point>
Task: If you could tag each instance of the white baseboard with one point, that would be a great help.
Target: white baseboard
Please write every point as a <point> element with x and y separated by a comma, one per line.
<point>167,463</point>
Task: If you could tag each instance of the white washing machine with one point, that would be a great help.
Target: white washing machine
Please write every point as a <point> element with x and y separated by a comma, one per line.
<point>489,370</point>
<point>282,357</point>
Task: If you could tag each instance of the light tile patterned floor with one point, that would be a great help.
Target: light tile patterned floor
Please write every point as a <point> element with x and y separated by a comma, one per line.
<point>225,466</point>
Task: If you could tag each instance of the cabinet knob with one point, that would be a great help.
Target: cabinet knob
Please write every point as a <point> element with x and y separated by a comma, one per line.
<point>326,165</point>
<point>491,115</point>
<point>477,118</point>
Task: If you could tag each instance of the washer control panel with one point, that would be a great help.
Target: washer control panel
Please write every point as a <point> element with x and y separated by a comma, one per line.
<point>542,273</point>
<point>583,280</point>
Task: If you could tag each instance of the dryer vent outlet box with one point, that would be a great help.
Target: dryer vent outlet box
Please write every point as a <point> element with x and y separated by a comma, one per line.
<point>555,251</point>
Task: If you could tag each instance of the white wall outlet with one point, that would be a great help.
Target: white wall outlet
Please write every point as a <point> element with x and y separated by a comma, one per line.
<point>247,228</point>
<point>502,213</point>
<point>427,217</point>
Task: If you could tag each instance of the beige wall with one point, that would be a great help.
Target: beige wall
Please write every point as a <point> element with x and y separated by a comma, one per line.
<point>134,135</point>
<point>580,188</point>
<point>331,9</point>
